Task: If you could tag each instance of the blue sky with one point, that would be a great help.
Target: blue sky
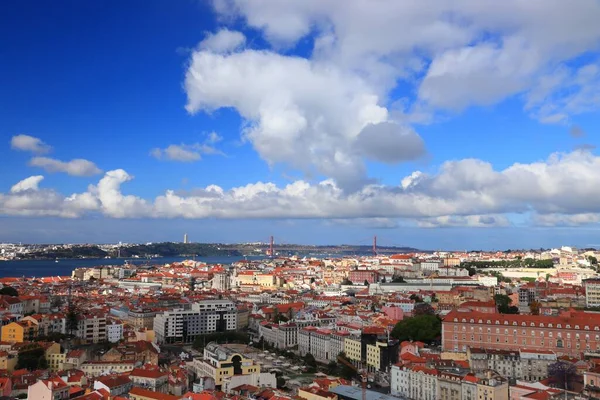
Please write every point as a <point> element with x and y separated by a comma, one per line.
<point>233,120</point>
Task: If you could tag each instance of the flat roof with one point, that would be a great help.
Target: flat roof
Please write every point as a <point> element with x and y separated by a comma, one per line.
<point>355,393</point>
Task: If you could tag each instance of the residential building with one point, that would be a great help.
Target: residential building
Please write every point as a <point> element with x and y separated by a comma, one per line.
<point>97,368</point>
<point>92,328</point>
<point>116,385</point>
<point>20,331</point>
<point>142,318</point>
<point>414,382</point>
<point>144,394</point>
<point>183,326</point>
<point>592,292</point>
<point>150,377</point>
<point>114,332</point>
<point>221,281</point>
<point>49,389</point>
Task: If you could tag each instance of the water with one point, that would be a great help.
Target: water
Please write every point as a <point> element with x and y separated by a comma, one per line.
<point>64,267</point>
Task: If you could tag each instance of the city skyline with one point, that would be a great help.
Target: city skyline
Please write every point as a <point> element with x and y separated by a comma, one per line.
<point>231,121</point>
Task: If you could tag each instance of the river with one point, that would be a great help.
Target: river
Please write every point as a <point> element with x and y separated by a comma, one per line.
<point>64,267</point>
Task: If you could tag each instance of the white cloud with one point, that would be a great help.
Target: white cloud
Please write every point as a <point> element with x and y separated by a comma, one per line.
<point>29,143</point>
<point>76,167</point>
<point>457,54</point>
<point>30,183</point>
<point>223,41</point>
<point>560,190</point>
<point>306,115</point>
<point>189,152</point>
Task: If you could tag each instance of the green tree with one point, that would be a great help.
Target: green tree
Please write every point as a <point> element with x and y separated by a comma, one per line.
<point>279,318</point>
<point>280,382</point>
<point>416,298</point>
<point>9,291</point>
<point>424,328</point>
<point>423,309</point>
<point>398,279</point>
<point>310,362</point>
<point>347,281</point>
<point>562,373</point>
<point>30,358</point>
<point>593,260</point>
<point>42,363</point>
<point>366,283</point>
<point>72,320</point>
<point>503,303</point>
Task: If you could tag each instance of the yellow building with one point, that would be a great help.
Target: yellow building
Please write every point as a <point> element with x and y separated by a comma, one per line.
<point>255,278</point>
<point>56,361</point>
<point>492,387</point>
<point>224,361</point>
<point>7,361</point>
<point>352,349</point>
<point>374,355</point>
<point>19,332</point>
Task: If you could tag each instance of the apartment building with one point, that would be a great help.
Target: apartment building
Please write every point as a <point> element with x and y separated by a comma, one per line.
<point>592,292</point>
<point>114,332</point>
<point>20,331</point>
<point>150,377</point>
<point>92,328</point>
<point>281,336</point>
<point>183,326</point>
<point>48,389</point>
<point>142,318</point>
<point>570,333</point>
<point>419,382</point>
<point>221,281</point>
<point>98,368</point>
<point>523,364</point>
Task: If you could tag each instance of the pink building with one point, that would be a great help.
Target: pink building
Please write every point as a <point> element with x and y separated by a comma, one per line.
<point>571,333</point>
<point>393,312</point>
<point>48,389</point>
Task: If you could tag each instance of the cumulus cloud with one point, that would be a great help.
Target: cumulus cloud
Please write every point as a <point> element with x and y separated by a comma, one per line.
<point>30,183</point>
<point>458,54</point>
<point>304,114</point>
<point>223,41</point>
<point>76,167</point>
<point>559,190</point>
<point>29,143</point>
<point>390,143</point>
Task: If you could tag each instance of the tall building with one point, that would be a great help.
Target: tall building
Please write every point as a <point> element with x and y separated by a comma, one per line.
<point>204,317</point>
<point>592,292</point>
<point>185,238</point>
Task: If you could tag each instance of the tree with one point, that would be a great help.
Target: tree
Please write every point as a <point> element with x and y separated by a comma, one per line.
<point>503,304</point>
<point>72,320</point>
<point>562,372</point>
<point>383,280</point>
<point>423,309</point>
<point>280,382</point>
<point>280,318</point>
<point>42,363</point>
<point>366,283</point>
<point>310,362</point>
<point>347,281</point>
<point>57,302</point>
<point>9,291</point>
<point>534,307</point>
<point>30,358</point>
<point>593,260</point>
<point>398,279</point>
<point>416,298</point>
<point>424,328</point>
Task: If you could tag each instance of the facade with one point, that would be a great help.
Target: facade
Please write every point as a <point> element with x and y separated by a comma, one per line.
<point>592,292</point>
<point>221,281</point>
<point>92,329</point>
<point>183,326</point>
<point>414,382</point>
<point>570,333</point>
<point>18,332</point>
<point>359,276</point>
<point>281,336</point>
<point>150,377</point>
<point>116,385</point>
<point>114,332</point>
<point>224,361</point>
<point>48,389</point>
<point>97,368</point>
<point>142,318</point>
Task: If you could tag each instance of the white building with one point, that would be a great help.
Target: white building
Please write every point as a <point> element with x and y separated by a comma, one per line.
<point>592,292</point>
<point>316,341</point>
<point>221,281</point>
<point>205,317</point>
<point>114,332</point>
<point>414,383</point>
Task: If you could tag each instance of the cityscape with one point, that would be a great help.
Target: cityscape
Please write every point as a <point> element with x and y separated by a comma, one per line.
<point>300,200</point>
